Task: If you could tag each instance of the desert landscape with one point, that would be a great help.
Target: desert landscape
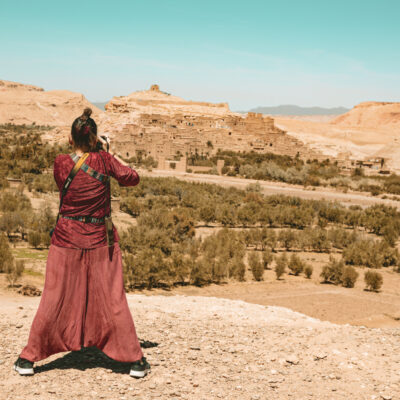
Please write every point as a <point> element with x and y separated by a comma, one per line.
<point>223,230</point>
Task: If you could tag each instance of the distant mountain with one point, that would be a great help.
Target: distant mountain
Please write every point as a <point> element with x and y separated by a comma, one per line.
<point>100,104</point>
<point>297,110</point>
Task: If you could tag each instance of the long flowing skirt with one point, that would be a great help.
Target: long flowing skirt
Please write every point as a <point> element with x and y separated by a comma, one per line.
<point>83,304</point>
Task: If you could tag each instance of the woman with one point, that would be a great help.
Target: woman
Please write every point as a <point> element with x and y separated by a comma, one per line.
<point>83,301</point>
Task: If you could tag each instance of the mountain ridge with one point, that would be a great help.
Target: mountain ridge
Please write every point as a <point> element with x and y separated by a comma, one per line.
<point>291,109</point>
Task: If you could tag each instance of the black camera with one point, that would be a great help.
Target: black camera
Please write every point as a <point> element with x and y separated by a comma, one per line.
<point>103,143</point>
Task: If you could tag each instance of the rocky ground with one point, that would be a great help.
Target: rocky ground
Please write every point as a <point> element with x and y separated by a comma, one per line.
<point>209,348</point>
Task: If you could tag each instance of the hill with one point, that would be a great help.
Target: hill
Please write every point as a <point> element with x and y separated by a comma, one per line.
<point>27,104</point>
<point>100,105</point>
<point>372,114</point>
<point>289,109</point>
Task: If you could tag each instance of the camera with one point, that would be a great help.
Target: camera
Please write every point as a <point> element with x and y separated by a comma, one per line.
<point>103,143</point>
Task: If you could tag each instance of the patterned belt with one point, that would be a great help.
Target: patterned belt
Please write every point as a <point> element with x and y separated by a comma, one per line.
<point>85,218</point>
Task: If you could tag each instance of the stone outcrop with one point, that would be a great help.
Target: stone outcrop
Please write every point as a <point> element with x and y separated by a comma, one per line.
<point>27,104</point>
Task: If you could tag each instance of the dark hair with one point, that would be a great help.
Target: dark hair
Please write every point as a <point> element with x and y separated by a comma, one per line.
<point>84,131</point>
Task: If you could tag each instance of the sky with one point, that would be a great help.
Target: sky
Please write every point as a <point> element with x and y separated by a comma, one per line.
<point>247,53</point>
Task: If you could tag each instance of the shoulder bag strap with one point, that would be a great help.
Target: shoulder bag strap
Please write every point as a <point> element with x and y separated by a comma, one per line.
<point>107,217</point>
<point>69,179</point>
<point>108,187</point>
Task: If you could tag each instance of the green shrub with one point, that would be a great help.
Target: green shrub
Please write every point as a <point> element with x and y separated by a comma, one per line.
<point>207,214</point>
<point>14,271</point>
<point>333,271</point>
<point>256,266</point>
<point>281,263</point>
<point>308,271</point>
<point>267,258</point>
<point>45,239</point>
<point>349,277</point>
<point>200,273</point>
<point>34,239</point>
<point>6,258</point>
<point>287,238</point>
<point>131,206</point>
<point>373,280</point>
<point>370,253</point>
<point>295,265</point>
<point>237,269</point>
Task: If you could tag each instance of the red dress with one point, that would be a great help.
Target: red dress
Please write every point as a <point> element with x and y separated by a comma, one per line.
<point>83,301</point>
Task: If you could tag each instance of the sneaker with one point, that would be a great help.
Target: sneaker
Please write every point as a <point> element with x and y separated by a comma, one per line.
<point>23,367</point>
<point>140,368</point>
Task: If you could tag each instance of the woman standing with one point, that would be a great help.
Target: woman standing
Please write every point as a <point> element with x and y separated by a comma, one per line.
<point>83,301</point>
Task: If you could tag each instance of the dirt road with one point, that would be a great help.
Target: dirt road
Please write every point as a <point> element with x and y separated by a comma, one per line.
<point>270,188</point>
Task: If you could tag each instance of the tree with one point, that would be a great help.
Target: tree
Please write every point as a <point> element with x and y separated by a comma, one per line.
<point>349,277</point>
<point>246,215</point>
<point>295,265</point>
<point>373,280</point>
<point>226,215</point>
<point>9,223</point>
<point>256,266</point>
<point>34,239</point>
<point>180,267</point>
<point>267,257</point>
<point>45,239</point>
<point>287,238</point>
<point>220,268</point>
<point>6,257</point>
<point>131,206</point>
<point>319,240</point>
<point>333,271</point>
<point>200,273</point>
<point>14,271</point>
<point>280,265</point>
<point>247,236</point>
<point>207,214</point>
<point>237,268</point>
<point>270,239</point>
<point>308,270</point>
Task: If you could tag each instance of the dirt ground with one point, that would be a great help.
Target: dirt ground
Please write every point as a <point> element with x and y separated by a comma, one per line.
<point>208,348</point>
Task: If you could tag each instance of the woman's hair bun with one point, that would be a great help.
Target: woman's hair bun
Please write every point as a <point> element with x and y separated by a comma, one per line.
<point>87,112</point>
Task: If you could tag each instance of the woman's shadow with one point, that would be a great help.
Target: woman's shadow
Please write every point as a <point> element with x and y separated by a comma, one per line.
<point>90,357</point>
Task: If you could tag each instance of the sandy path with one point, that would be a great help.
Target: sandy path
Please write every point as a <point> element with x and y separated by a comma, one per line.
<point>270,188</point>
<point>211,348</point>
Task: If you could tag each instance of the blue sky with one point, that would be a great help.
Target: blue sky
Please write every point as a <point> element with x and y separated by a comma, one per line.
<point>248,53</point>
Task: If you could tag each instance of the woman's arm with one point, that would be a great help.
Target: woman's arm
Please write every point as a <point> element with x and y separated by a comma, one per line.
<point>118,169</point>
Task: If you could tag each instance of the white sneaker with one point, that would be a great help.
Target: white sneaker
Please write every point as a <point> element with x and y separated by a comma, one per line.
<point>23,367</point>
<point>139,369</point>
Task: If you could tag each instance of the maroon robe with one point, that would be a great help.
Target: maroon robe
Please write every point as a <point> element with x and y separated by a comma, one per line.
<point>84,301</point>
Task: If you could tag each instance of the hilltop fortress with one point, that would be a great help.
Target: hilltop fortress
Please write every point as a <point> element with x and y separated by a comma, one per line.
<point>163,126</point>
<point>170,129</point>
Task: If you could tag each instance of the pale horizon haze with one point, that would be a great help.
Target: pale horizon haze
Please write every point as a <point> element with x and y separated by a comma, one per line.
<point>249,54</point>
